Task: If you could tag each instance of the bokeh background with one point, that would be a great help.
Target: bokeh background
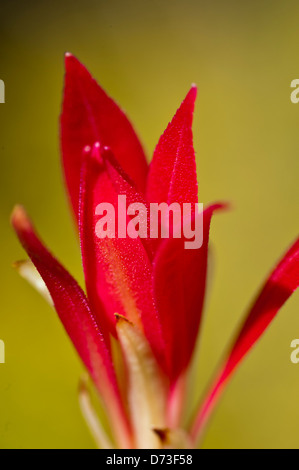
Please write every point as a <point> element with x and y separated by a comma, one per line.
<point>243,56</point>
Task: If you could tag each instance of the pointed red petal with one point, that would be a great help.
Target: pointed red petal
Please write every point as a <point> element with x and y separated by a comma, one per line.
<point>283,281</point>
<point>90,115</point>
<point>74,312</point>
<point>179,289</point>
<point>117,270</point>
<point>172,174</point>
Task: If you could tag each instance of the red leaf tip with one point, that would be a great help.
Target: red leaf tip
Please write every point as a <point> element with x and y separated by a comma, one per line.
<point>72,64</point>
<point>193,90</point>
<point>191,95</point>
<point>19,219</point>
<point>68,59</point>
<point>68,56</point>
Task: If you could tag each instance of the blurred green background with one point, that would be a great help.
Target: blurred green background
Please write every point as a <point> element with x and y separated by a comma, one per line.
<point>243,56</point>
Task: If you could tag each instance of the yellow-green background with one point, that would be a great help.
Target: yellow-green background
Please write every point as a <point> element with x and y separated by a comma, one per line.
<point>243,56</point>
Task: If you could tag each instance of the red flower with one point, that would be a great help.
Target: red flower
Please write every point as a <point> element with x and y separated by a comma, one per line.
<point>146,293</point>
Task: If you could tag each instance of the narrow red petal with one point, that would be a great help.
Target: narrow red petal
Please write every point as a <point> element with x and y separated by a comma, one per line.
<point>172,174</point>
<point>283,281</point>
<point>90,115</point>
<point>117,270</point>
<point>75,314</point>
<point>179,278</point>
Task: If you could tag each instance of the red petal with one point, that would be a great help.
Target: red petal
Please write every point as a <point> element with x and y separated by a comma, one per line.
<point>172,174</point>
<point>179,288</point>
<point>90,115</point>
<point>283,281</point>
<point>74,312</point>
<point>124,186</point>
<point>117,270</point>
